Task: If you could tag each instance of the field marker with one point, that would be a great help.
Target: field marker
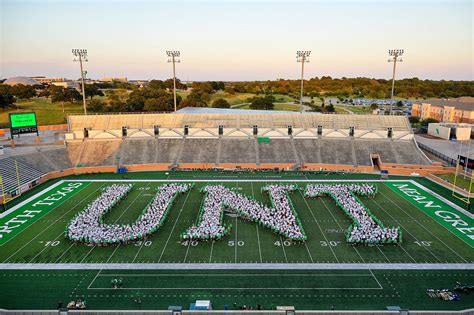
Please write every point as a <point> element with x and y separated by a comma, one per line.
<point>376,279</point>
<point>212,247</point>
<point>94,279</point>
<point>283,247</point>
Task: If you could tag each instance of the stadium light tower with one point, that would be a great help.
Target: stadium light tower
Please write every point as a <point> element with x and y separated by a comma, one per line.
<point>173,56</point>
<point>303,57</point>
<point>394,56</point>
<point>81,55</point>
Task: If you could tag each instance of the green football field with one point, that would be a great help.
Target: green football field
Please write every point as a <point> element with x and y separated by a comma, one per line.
<point>163,270</point>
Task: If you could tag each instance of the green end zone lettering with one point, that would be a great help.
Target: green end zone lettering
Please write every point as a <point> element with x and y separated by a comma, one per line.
<point>13,223</point>
<point>456,222</point>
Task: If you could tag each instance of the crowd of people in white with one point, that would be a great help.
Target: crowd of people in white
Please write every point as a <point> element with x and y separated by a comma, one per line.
<point>367,229</point>
<point>89,226</point>
<point>281,218</point>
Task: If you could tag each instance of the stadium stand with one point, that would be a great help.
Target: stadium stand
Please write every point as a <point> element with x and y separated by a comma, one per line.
<point>10,179</point>
<point>239,150</point>
<point>243,140</point>
<point>77,123</point>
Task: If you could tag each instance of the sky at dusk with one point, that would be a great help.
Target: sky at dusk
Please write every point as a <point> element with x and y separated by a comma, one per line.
<point>237,40</point>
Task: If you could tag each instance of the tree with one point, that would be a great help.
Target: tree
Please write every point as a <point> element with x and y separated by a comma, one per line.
<point>161,104</point>
<point>265,103</point>
<point>192,102</point>
<point>216,86</point>
<point>6,97</point>
<point>330,108</point>
<point>117,105</point>
<point>158,85</point>
<point>21,91</point>
<point>202,87</point>
<point>229,90</point>
<point>168,84</point>
<point>92,90</point>
<point>136,101</point>
<point>72,95</point>
<point>60,94</point>
<point>427,121</point>
<point>220,103</point>
<point>414,120</point>
<point>96,106</point>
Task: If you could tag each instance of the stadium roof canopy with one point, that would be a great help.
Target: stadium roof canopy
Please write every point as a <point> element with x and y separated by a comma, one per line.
<point>21,80</point>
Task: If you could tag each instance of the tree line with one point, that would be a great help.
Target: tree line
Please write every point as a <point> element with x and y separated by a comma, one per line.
<point>356,88</point>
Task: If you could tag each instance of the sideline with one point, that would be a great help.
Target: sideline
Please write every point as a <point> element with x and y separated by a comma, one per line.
<point>24,202</point>
<point>238,266</point>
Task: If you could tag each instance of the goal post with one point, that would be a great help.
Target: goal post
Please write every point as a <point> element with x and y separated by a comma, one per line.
<point>6,195</point>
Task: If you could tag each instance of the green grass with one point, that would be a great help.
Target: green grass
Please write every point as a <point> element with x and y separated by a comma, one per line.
<point>356,109</point>
<point>322,220</point>
<point>31,289</point>
<point>233,99</point>
<point>47,113</point>
<point>461,182</point>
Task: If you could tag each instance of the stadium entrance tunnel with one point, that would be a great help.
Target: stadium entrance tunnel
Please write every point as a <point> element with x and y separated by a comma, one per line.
<point>376,162</point>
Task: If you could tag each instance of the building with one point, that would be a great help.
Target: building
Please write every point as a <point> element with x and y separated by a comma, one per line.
<point>449,131</point>
<point>45,80</point>
<point>21,80</point>
<point>112,79</point>
<point>67,84</point>
<point>459,110</point>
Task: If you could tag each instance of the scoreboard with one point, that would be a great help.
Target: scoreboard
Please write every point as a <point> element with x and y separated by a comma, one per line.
<point>21,123</point>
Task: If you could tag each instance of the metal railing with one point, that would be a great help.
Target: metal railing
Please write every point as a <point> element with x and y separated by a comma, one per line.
<point>438,154</point>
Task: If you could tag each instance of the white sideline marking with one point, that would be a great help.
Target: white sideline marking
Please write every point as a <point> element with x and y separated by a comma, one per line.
<point>448,202</point>
<point>24,202</point>
<point>239,266</point>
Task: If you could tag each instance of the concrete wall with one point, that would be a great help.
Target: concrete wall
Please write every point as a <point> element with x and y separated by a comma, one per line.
<point>439,131</point>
